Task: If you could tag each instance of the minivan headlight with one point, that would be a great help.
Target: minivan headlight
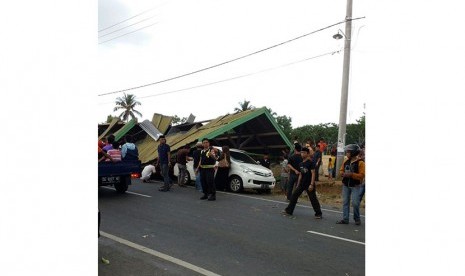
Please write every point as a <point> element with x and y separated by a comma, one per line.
<point>246,170</point>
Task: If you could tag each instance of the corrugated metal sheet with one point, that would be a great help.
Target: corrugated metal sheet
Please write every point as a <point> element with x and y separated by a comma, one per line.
<point>151,130</point>
<point>122,131</point>
<point>217,127</point>
<point>161,122</point>
<point>148,147</point>
<point>112,124</point>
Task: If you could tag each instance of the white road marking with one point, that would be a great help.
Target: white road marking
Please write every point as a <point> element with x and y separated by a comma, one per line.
<point>159,255</point>
<point>335,237</point>
<point>276,201</point>
<point>126,191</point>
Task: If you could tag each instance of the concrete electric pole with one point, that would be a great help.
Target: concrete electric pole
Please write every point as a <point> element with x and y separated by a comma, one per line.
<point>345,89</point>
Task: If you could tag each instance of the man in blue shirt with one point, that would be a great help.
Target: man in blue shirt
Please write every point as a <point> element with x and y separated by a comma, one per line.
<point>164,160</point>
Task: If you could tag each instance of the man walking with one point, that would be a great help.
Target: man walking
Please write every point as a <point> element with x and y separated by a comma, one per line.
<point>294,172</point>
<point>164,157</point>
<point>305,182</point>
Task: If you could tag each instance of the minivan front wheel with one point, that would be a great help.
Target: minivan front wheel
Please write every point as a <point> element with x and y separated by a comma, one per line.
<point>235,184</point>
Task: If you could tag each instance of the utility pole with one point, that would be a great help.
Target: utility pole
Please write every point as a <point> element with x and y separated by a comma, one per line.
<point>345,89</point>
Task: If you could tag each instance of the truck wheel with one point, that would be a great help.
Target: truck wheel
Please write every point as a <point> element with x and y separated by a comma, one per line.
<point>235,184</point>
<point>122,187</point>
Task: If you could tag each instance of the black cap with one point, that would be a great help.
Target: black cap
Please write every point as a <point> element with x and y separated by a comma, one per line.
<point>298,147</point>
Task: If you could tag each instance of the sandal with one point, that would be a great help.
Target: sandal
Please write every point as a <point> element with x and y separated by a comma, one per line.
<point>342,222</point>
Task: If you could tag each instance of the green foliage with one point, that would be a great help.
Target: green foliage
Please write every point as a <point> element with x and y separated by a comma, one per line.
<point>110,118</point>
<point>356,132</point>
<point>243,106</point>
<point>127,104</point>
<point>178,121</point>
<point>285,123</point>
<point>329,132</point>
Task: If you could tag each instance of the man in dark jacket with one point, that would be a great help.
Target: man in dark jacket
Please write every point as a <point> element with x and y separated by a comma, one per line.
<point>353,172</point>
<point>293,165</point>
<point>265,161</point>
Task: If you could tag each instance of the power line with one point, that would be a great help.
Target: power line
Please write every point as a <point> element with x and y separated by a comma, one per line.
<point>127,26</point>
<point>238,77</point>
<point>232,60</point>
<point>128,33</point>
<point>101,30</point>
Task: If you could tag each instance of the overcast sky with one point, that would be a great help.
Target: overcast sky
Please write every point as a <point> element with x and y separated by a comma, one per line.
<point>180,36</point>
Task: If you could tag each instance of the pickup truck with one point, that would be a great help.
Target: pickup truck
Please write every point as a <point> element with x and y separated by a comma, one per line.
<point>118,174</point>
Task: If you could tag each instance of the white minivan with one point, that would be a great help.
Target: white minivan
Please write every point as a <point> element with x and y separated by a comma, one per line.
<point>244,173</point>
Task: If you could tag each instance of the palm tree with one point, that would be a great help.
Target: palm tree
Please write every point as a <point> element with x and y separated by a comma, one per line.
<point>127,103</point>
<point>244,106</point>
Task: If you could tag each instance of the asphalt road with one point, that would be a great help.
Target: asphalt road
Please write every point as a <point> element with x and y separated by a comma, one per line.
<point>147,232</point>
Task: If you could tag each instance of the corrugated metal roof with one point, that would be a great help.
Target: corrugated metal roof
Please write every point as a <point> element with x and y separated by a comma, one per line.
<point>161,122</point>
<point>112,124</point>
<point>148,147</point>
<point>122,131</point>
<point>151,130</point>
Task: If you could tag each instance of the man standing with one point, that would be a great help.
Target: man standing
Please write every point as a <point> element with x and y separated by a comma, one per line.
<point>164,160</point>
<point>181,159</point>
<point>294,172</point>
<point>196,156</point>
<point>305,182</point>
<point>317,162</point>
<point>353,172</point>
<point>265,161</point>
<point>322,144</point>
<point>207,170</point>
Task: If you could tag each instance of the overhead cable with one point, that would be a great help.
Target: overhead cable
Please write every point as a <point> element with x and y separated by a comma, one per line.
<point>237,77</point>
<point>101,30</point>
<point>128,33</point>
<point>126,26</point>
<point>232,60</point>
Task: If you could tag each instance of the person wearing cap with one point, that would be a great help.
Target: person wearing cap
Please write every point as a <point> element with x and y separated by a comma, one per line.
<point>305,182</point>
<point>164,160</point>
<point>196,157</point>
<point>293,165</point>
<point>353,172</point>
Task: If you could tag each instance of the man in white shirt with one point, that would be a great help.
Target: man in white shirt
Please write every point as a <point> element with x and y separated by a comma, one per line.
<point>147,172</point>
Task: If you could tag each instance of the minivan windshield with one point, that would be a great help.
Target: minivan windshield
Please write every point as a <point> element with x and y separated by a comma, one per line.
<point>242,157</point>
